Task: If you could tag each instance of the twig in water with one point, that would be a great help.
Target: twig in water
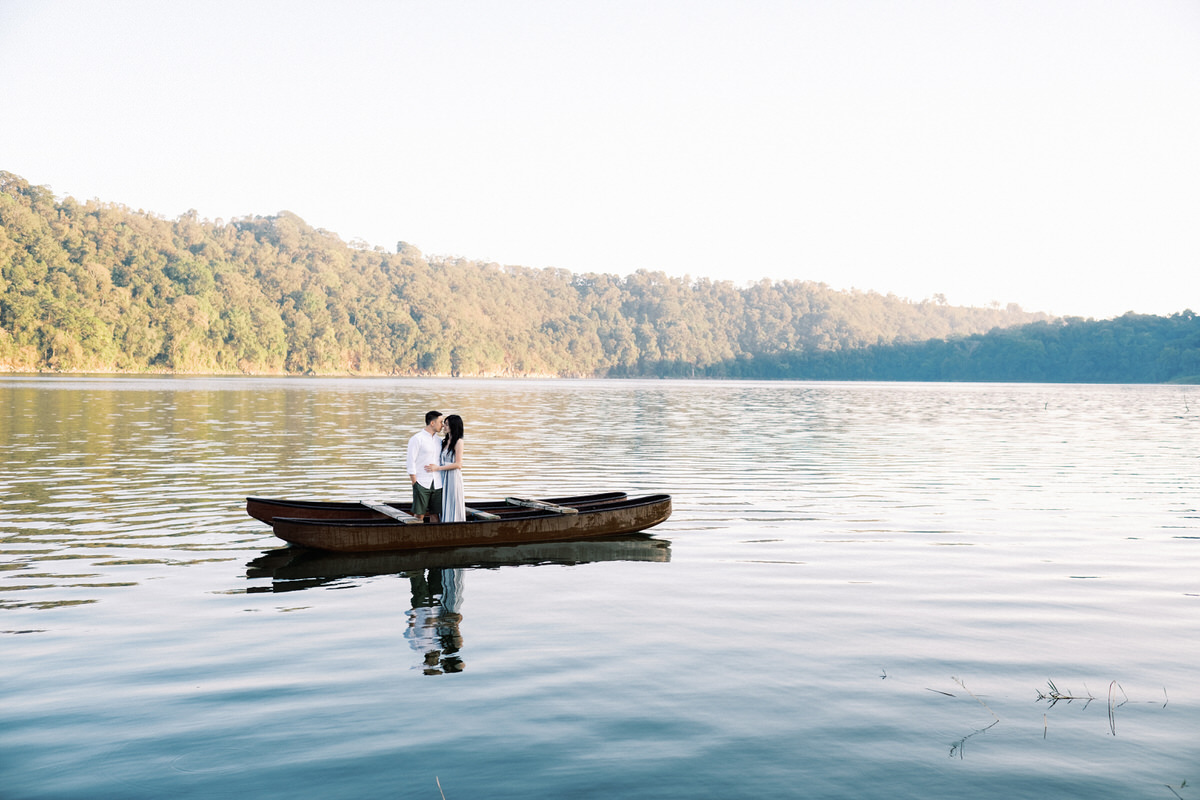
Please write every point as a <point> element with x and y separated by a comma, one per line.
<point>977,700</point>
<point>1054,695</point>
<point>1113,705</point>
<point>1112,719</point>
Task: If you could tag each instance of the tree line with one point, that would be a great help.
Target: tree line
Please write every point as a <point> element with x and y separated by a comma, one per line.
<point>99,287</point>
<point>1133,348</point>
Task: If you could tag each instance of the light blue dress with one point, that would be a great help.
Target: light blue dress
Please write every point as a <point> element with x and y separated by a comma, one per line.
<point>453,502</point>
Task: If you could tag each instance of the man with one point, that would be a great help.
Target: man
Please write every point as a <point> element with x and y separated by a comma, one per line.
<point>423,448</point>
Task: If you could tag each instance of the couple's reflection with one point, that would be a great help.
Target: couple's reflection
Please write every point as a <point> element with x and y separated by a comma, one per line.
<point>436,580</point>
<point>434,619</point>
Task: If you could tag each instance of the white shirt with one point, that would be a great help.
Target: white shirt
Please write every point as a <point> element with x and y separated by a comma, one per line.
<point>423,448</point>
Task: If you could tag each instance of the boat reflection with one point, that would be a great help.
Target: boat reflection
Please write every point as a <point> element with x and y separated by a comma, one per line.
<point>437,579</point>
<point>294,568</point>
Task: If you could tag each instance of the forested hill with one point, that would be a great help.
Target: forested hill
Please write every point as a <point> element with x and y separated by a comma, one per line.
<point>1134,348</point>
<point>95,286</point>
<point>99,287</point>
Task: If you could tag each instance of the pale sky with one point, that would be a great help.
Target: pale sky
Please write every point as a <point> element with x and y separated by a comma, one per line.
<point>1040,152</point>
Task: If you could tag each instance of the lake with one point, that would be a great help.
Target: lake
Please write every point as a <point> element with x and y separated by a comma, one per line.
<point>865,590</point>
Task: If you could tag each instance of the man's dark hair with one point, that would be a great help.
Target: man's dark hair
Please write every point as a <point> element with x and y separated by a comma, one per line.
<point>430,416</point>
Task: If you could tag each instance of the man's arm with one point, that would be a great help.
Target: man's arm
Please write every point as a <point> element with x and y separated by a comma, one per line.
<point>413,449</point>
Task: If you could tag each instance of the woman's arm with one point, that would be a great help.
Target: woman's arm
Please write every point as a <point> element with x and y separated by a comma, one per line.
<point>458,453</point>
<point>455,464</point>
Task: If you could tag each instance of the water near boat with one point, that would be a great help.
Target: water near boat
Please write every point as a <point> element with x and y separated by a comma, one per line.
<point>865,590</point>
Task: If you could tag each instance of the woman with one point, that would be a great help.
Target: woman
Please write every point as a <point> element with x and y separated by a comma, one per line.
<point>450,463</point>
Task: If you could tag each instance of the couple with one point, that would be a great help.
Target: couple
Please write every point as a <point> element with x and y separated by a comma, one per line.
<point>435,469</point>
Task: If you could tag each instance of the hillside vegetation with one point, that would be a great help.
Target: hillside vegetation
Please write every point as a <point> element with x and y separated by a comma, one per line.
<point>98,287</point>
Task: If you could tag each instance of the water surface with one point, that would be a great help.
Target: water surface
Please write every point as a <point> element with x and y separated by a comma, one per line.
<point>861,593</point>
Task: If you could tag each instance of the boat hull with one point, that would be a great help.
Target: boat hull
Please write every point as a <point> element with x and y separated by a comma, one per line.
<point>608,518</point>
<point>266,509</point>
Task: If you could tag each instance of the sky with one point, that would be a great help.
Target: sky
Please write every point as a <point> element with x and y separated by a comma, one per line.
<point>1038,152</point>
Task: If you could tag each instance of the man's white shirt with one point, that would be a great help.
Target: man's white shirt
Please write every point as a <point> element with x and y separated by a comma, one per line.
<point>424,448</point>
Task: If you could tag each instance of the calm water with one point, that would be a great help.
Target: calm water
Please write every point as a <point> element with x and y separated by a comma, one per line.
<point>861,593</point>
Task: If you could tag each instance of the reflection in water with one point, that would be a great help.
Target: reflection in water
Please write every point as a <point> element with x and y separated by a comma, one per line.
<point>959,747</point>
<point>437,579</point>
<point>434,618</point>
<point>296,568</point>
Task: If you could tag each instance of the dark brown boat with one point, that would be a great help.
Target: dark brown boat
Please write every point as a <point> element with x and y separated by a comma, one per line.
<point>266,509</point>
<point>508,522</point>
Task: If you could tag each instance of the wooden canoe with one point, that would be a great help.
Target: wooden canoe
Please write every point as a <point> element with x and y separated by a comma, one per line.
<point>606,518</point>
<point>266,509</point>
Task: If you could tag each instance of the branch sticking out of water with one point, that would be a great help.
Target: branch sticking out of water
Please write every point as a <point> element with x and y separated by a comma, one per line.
<point>1113,705</point>
<point>1055,695</point>
<point>1116,698</point>
<point>977,700</point>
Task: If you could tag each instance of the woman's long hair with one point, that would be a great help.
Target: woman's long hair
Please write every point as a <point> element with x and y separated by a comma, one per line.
<point>454,423</point>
